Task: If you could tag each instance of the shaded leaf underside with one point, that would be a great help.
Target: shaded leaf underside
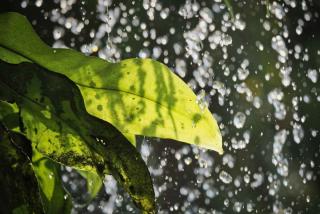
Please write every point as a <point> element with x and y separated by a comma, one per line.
<point>18,184</point>
<point>57,123</point>
<point>54,198</point>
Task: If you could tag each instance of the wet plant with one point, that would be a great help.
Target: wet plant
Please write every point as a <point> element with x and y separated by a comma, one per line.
<point>60,107</point>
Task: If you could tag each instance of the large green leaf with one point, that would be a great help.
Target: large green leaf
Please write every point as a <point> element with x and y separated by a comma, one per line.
<point>56,121</point>
<point>18,183</point>
<point>139,97</point>
<point>55,198</point>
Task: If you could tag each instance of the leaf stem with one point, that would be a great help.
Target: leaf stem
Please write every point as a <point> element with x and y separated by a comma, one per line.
<point>268,8</point>
<point>230,8</point>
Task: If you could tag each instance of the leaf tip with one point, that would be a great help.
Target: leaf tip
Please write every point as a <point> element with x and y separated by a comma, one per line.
<point>220,151</point>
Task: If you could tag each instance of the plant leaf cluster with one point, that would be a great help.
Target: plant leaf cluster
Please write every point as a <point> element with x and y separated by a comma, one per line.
<point>58,106</point>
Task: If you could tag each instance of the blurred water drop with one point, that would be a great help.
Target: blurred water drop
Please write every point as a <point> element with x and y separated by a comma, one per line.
<point>225,177</point>
<point>201,100</point>
<point>239,120</point>
<point>187,161</point>
<point>237,206</point>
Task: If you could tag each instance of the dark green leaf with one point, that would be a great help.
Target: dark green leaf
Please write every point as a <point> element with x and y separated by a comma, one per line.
<point>54,197</point>
<point>18,183</point>
<point>9,115</point>
<point>56,121</point>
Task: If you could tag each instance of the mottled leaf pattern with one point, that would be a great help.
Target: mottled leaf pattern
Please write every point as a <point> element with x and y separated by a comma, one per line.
<point>54,198</point>
<point>56,121</point>
<point>60,115</point>
<point>138,96</point>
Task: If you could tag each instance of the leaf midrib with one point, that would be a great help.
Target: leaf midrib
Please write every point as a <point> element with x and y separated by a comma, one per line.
<point>99,88</point>
<point>127,92</point>
<point>102,88</point>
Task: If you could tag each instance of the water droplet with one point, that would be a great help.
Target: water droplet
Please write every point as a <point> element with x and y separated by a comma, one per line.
<point>201,99</point>
<point>226,202</point>
<point>298,133</point>
<point>237,206</point>
<point>225,177</point>
<point>239,120</point>
<point>119,200</point>
<point>313,75</point>
<point>308,199</point>
<point>188,160</point>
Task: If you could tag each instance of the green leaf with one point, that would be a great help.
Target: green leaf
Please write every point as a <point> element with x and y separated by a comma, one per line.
<point>9,115</point>
<point>230,8</point>
<point>94,183</point>
<point>57,123</point>
<point>138,96</point>
<point>18,183</point>
<point>55,198</point>
<point>8,109</point>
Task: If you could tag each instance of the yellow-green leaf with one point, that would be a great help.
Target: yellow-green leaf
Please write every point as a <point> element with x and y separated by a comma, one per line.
<point>94,183</point>
<point>56,199</point>
<point>138,96</point>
